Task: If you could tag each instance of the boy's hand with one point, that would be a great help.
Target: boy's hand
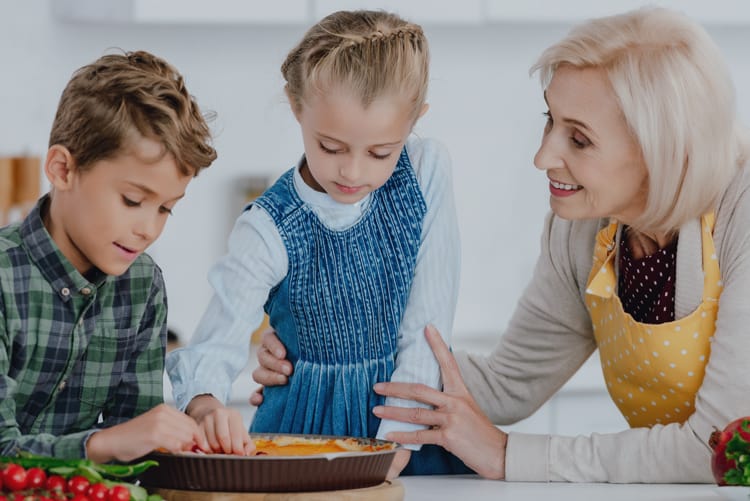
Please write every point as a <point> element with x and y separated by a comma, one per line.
<point>223,427</point>
<point>163,427</point>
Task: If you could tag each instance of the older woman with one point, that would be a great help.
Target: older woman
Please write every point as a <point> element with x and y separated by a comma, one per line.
<point>645,256</point>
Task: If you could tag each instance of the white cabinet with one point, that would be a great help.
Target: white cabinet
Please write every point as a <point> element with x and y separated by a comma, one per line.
<point>427,12</point>
<point>183,11</point>
<point>431,12</point>
<point>724,12</point>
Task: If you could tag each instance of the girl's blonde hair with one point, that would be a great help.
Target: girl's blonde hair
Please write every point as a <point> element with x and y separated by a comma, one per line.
<point>676,96</point>
<point>371,53</point>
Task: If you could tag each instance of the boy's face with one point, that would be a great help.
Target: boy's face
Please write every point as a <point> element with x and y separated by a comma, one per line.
<point>107,215</point>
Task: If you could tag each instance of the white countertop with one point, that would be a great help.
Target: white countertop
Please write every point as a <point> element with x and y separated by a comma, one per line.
<point>471,488</point>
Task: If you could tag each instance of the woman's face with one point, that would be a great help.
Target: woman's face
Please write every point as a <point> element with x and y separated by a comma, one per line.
<point>594,165</point>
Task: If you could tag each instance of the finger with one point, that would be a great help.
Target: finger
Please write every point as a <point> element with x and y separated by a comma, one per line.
<point>428,436</point>
<point>448,366</point>
<point>224,433</point>
<point>400,460</point>
<point>240,437</point>
<point>272,343</point>
<point>268,377</point>
<point>416,415</point>
<point>256,398</point>
<point>208,429</point>
<point>412,391</point>
<point>267,360</point>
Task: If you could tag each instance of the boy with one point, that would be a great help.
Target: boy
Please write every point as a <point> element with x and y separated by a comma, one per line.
<point>82,309</point>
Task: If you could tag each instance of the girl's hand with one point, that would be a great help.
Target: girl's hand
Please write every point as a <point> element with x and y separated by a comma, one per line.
<point>162,427</point>
<point>223,427</point>
<point>456,422</point>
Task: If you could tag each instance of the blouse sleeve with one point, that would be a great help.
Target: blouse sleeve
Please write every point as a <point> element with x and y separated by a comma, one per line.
<point>434,290</point>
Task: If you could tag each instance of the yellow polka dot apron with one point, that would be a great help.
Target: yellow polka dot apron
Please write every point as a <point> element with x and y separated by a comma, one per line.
<point>652,371</point>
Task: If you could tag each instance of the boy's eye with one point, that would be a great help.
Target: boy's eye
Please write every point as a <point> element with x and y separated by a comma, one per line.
<point>130,203</point>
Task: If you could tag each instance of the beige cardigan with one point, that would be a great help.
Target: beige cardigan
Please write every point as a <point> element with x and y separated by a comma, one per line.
<point>550,336</point>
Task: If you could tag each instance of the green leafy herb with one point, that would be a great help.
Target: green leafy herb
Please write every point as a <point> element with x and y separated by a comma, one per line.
<point>738,450</point>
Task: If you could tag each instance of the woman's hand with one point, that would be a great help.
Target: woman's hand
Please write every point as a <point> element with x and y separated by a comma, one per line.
<point>273,368</point>
<point>162,427</point>
<point>223,427</point>
<point>400,460</point>
<point>456,422</point>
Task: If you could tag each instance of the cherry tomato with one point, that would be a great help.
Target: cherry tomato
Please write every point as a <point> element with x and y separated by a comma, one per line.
<point>78,485</point>
<point>98,492</point>
<point>14,477</point>
<point>118,493</point>
<point>80,497</point>
<point>55,483</point>
<point>35,478</point>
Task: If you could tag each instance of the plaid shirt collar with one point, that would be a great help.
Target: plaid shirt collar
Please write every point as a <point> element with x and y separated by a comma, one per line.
<point>46,255</point>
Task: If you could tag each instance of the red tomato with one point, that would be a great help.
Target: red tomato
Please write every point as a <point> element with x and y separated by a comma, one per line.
<point>14,477</point>
<point>718,442</point>
<point>80,497</point>
<point>55,483</point>
<point>118,493</point>
<point>35,478</point>
<point>78,485</point>
<point>98,492</point>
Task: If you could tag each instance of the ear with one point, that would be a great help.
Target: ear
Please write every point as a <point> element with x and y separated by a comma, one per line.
<point>59,167</point>
<point>292,104</point>
<point>424,109</point>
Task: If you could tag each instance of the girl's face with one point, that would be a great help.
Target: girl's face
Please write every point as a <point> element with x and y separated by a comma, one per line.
<point>594,165</point>
<point>351,150</point>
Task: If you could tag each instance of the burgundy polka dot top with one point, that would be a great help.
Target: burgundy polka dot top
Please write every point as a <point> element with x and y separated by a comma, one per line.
<point>647,285</point>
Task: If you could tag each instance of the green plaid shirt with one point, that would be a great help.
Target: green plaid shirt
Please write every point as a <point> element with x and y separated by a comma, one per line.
<point>79,352</point>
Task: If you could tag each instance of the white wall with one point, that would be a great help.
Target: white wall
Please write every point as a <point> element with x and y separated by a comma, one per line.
<point>484,106</point>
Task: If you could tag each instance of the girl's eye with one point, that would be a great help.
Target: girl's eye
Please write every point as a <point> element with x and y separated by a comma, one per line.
<point>130,203</point>
<point>165,210</point>
<point>579,140</point>
<point>328,150</point>
<point>379,157</point>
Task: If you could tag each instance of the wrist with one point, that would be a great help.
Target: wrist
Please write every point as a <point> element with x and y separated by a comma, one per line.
<point>98,448</point>
<point>202,405</point>
<point>497,466</point>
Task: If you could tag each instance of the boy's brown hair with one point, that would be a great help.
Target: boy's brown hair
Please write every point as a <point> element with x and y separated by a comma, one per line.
<point>118,95</point>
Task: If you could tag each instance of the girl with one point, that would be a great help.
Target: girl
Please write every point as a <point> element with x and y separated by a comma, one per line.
<point>351,253</point>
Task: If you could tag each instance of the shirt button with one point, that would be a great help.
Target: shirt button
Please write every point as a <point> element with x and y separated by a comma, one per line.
<point>65,291</point>
<point>62,385</point>
<point>85,291</point>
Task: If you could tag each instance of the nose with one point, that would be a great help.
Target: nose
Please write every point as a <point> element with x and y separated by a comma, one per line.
<point>351,168</point>
<point>549,156</point>
<point>149,227</point>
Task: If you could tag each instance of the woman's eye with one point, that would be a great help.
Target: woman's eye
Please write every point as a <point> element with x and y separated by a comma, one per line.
<point>165,210</point>
<point>579,140</point>
<point>130,203</point>
<point>548,123</point>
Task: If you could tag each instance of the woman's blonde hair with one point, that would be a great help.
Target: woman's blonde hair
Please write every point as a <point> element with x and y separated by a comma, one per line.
<point>676,96</point>
<point>371,53</point>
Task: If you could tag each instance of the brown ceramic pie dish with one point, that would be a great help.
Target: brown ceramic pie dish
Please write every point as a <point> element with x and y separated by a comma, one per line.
<point>266,473</point>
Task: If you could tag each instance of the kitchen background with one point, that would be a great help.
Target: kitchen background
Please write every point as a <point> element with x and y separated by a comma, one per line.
<point>484,106</point>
